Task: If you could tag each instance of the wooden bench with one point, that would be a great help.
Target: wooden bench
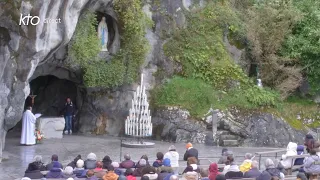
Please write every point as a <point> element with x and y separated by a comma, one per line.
<point>269,152</point>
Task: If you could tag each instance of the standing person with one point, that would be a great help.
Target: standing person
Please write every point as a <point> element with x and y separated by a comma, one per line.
<point>190,152</point>
<point>28,128</point>
<point>68,111</point>
<point>173,155</point>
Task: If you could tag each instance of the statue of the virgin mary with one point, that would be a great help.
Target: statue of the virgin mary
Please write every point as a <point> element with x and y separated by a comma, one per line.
<point>103,34</point>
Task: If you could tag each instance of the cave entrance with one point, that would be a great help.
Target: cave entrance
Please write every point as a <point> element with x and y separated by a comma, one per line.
<point>52,93</point>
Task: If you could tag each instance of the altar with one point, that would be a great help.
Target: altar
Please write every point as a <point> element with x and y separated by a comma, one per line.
<point>51,127</point>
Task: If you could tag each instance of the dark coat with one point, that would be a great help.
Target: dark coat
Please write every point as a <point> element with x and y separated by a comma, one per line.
<point>36,174</point>
<point>40,166</point>
<point>49,166</point>
<point>190,153</point>
<point>157,163</point>
<point>252,173</point>
<point>138,172</point>
<point>269,173</point>
<point>234,175</point>
<point>68,109</point>
<point>127,164</point>
<point>300,151</point>
<point>80,173</point>
<point>163,175</point>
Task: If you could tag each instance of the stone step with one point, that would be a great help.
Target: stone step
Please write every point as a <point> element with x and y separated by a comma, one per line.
<point>228,137</point>
<point>230,143</point>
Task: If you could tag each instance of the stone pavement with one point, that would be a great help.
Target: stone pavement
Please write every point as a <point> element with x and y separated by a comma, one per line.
<point>71,145</point>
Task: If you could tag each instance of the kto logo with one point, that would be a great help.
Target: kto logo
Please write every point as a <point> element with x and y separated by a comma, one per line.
<point>33,20</point>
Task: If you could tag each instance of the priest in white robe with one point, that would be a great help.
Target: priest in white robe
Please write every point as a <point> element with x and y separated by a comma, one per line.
<point>28,128</point>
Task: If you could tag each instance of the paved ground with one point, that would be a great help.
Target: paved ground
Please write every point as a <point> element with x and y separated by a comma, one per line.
<point>72,145</point>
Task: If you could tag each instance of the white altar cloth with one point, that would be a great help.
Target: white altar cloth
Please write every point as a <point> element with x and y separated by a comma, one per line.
<point>51,127</point>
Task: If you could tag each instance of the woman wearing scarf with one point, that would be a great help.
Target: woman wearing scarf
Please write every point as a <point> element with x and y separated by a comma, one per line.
<point>213,171</point>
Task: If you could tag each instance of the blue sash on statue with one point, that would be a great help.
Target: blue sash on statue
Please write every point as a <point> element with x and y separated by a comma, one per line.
<point>102,40</point>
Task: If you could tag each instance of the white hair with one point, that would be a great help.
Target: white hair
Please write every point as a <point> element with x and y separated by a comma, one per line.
<point>92,156</point>
<point>248,156</point>
<point>80,163</point>
<point>254,164</point>
<point>174,177</point>
<point>25,178</point>
<point>70,179</point>
<point>37,158</point>
<point>68,170</point>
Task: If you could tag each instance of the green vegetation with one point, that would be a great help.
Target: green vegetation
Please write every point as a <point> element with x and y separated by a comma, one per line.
<point>124,67</point>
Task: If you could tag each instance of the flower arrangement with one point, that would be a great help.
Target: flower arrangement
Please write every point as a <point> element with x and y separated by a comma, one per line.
<point>39,136</point>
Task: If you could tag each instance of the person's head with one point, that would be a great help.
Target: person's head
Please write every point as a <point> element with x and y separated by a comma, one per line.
<point>174,177</point>
<point>189,145</point>
<point>54,157</point>
<point>220,177</point>
<point>167,162</point>
<point>254,164</point>
<point>128,172</point>
<point>107,159</point>
<point>29,108</point>
<point>172,148</point>
<point>90,173</point>
<point>313,152</point>
<point>204,172</point>
<point>145,157</point>
<point>68,170</point>
<point>224,152</point>
<point>92,156</point>
<point>142,162</point>
<point>127,157</point>
<point>110,168</point>
<point>77,158</point>
<point>115,164</point>
<point>192,160</point>
<point>37,158</point>
<point>99,164</point>
<point>230,159</point>
<point>160,155</point>
<point>144,178</point>
<point>80,163</point>
<point>33,167</point>
<point>70,178</point>
<point>68,100</point>
<point>26,178</point>
<point>213,167</point>
<point>248,156</point>
<point>269,164</point>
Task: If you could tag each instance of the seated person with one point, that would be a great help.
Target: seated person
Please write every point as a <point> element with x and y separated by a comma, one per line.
<point>158,162</point>
<point>55,171</point>
<point>98,171</point>
<point>127,163</point>
<point>145,157</point>
<point>79,171</point>
<point>106,162</point>
<point>68,172</point>
<point>246,165</point>
<point>312,163</point>
<point>90,175</point>
<point>253,172</point>
<point>189,174</point>
<point>286,161</point>
<point>166,170</point>
<point>73,163</point>
<point>38,162</point>
<point>138,171</point>
<point>270,172</point>
<point>213,171</point>
<point>54,159</point>
<point>300,151</point>
<point>193,163</point>
<point>91,161</point>
<point>33,172</point>
<point>233,171</point>
<point>150,172</point>
<point>110,175</point>
<point>116,166</point>
<point>129,174</point>
<point>224,155</point>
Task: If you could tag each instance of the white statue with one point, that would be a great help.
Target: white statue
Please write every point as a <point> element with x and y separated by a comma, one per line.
<point>103,34</point>
<point>259,83</point>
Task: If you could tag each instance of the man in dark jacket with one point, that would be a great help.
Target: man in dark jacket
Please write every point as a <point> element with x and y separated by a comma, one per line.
<point>68,111</point>
<point>190,152</point>
<point>127,163</point>
<point>253,172</point>
<point>54,159</point>
<point>33,172</point>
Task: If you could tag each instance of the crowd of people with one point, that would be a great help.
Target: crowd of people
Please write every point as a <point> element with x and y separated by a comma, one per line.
<point>166,166</point>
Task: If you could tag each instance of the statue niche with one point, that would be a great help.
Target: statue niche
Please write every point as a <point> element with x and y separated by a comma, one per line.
<point>103,34</point>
